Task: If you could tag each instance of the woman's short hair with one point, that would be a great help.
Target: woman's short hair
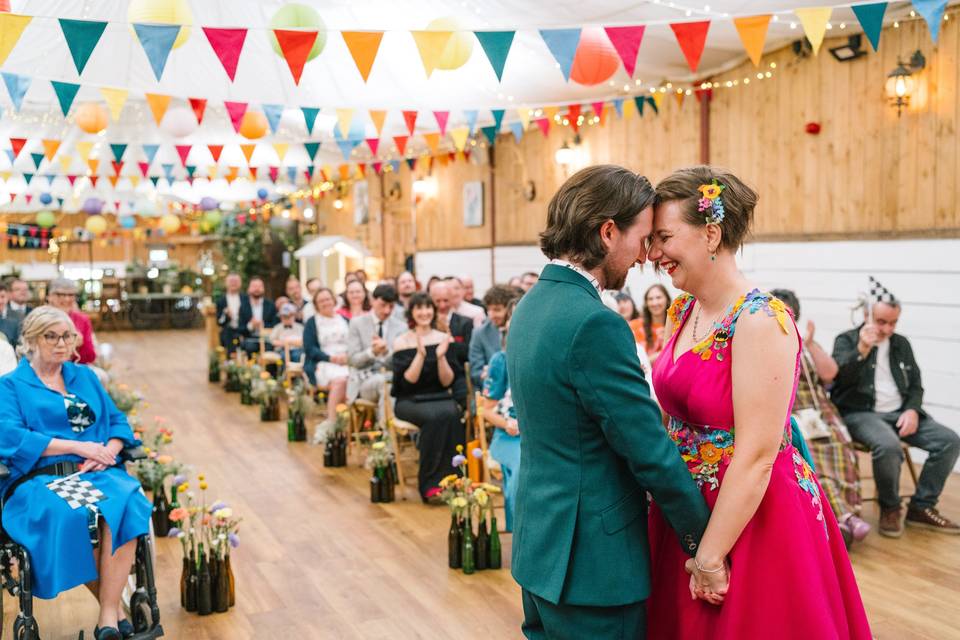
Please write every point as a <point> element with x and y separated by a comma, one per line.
<point>420,299</point>
<point>62,285</point>
<point>738,199</point>
<point>584,203</point>
<point>323,290</point>
<point>37,323</point>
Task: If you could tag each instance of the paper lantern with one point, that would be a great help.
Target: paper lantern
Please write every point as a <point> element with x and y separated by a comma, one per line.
<point>46,198</point>
<point>298,16</point>
<point>596,60</point>
<point>262,193</point>
<point>212,218</point>
<point>459,47</point>
<point>208,204</point>
<point>91,117</point>
<point>128,222</point>
<point>96,224</point>
<point>162,12</point>
<point>179,122</point>
<point>170,223</point>
<point>46,219</point>
<point>92,206</point>
<point>253,125</point>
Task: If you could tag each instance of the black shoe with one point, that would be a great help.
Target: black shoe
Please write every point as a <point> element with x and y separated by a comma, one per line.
<point>107,633</point>
<point>126,628</point>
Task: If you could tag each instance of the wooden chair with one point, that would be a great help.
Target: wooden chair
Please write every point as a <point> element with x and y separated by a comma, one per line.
<point>265,357</point>
<point>111,305</point>
<point>486,475</point>
<point>911,468</point>
<point>400,433</point>
<point>293,369</point>
<point>361,411</point>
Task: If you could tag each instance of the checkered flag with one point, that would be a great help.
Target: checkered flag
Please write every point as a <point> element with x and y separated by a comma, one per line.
<point>879,293</point>
<point>76,492</point>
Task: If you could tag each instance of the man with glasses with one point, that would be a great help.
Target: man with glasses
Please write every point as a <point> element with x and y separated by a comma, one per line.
<point>62,294</point>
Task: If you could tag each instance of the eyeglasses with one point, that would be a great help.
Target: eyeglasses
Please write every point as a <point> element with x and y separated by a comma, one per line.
<point>52,339</point>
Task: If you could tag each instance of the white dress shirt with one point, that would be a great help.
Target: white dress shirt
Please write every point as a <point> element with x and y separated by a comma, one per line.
<point>233,305</point>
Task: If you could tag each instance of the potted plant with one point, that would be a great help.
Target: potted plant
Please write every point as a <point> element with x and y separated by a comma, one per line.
<point>380,463</point>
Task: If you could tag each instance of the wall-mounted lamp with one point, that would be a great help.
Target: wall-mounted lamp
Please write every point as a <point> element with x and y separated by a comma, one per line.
<point>566,155</point>
<point>900,83</point>
<point>850,51</point>
<point>425,187</point>
<point>338,204</point>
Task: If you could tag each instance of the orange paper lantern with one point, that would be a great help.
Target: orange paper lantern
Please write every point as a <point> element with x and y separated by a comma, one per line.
<point>596,59</point>
<point>253,125</point>
<point>91,117</point>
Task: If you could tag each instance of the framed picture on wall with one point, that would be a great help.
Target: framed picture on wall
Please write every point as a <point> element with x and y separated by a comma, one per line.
<point>473,204</point>
<point>361,203</point>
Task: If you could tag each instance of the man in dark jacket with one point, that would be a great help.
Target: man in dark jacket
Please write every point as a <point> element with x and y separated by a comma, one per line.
<point>233,313</point>
<point>879,393</point>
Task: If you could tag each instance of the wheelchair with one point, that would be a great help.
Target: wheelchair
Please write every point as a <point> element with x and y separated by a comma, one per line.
<point>144,611</point>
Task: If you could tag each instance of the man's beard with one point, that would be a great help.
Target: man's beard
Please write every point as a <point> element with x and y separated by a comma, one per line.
<point>613,279</point>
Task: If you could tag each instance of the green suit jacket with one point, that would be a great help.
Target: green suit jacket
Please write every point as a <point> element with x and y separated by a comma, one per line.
<point>592,446</point>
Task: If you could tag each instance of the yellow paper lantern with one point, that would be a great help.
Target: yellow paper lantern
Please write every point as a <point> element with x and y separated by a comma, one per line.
<point>96,224</point>
<point>253,125</point>
<point>91,117</point>
<point>162,12</point>
<point>460,46</point>
<point>170,223</point>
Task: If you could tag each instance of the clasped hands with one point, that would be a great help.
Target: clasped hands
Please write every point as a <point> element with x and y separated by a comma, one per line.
<point>708,582</point>
<point>96,456</point>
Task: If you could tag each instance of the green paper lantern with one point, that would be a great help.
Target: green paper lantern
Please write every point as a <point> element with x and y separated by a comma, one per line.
<point>299,16</point>
<point>46,219</point>
<point>212,218</point>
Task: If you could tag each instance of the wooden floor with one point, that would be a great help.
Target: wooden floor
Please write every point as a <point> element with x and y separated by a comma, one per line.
<point>319,561</point>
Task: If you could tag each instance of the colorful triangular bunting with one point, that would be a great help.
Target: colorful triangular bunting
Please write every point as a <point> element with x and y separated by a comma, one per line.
<point>562,44</point>
<point>691,36</point>
<point>227,45</point>
<point>363,46</point>
<point>626,41</point>
<point>496,44</point>
<point>295,46</point>
<point>157,42</point>
<point>82,37</point>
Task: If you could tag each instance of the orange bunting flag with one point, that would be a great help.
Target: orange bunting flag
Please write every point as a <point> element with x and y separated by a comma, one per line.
<point>753,35</point>
<point>296,46</point>
<point>158,105</point>
<point>680,96</point>
<point>433,141</point>
<point>50,148</point>
<point>233,172</point>
<point>363,46</point>
<point>215,151</point>
<point>247,150</point>
<point>431,45</point>
<point>344,170</point>
<point>113,180</point>
<point>93,163</point>
<point>377,118</point>
<point>691,36</point>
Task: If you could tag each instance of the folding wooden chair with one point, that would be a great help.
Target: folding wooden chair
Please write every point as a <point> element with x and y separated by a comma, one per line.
<point>361,412</point>
<point>293,369</point>
<point>400,433</point>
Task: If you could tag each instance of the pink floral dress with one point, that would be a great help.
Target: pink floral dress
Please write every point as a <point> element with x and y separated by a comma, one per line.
<point>790,574</point>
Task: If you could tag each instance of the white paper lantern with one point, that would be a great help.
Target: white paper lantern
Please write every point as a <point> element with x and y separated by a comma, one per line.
<point>179,122</point>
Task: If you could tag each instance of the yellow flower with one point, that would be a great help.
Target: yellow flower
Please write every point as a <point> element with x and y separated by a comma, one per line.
<point>146,450</point>
<point>481,496</point>
<point>710,191</point>
<point>224,513</point>
<point>490,488</point>
<point>459,502</point>
<point>167,439</point>
<point>459,448</point>
<point>448,480</point>
<point>164,459</point>
<point>184,487</point>
<point>201,477</point>
<point>203,486</point>
<point>379,445</point>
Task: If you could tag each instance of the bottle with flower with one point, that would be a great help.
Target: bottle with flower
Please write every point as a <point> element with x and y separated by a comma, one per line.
<point>379,462</point>
<point>215,361</point>
<point>266,391</point>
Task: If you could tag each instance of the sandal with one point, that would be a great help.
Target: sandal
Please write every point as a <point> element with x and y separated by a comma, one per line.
<point>107,633</point>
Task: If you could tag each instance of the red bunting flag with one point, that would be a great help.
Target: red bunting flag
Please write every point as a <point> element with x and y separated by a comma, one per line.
<point>401,142</point>
<point>543,123</point>
<point>691,36</point>
<point>362,169</point>
<point>376,167</point>
<point>274,172</point>
<point>373,143</point>
<point>17,144</point>
<point>183,150</point>
<point>117,167</point>
<point>199,105</point>
<point>574,113</point>
<point>598,110</point>
<point>235,110</point>
<point>144,168</point>
<point>71,179</point>
<point>410,117</point>
<point>442,117</point>
<point>626,40</point>
<point>28,197</point>
<point>93,180</point>
<point>253,172</point>
<point>296,46</point>
<point>227,44</point>
<point>215,151</point>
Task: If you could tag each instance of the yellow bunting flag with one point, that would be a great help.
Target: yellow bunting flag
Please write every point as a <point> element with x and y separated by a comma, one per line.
<point>212,172</point>
<point>11,27</point>
<point>115,99</point>
<point>134,180</point>
<point>524,117</point>
<point>281,149</point>
<point>459,136</point>
<point>550,112</point>
<point>93,163</point>
<point>65,162</point>
<point>84,148</point>
<point>158,105</point>
<point>814,21</point>
<point>6,174</point>
<point>753,34</point>
<point>433,141</point>
<point>247,152</point>
<point>679,96</point>
<point>50,148</point>
<point>327,171</point>
<point>344,118</point>
<point>363,46</point>
<point>431,45</point>
<point>657,99</point>
<point>629,109</point>
<point>377,117</point>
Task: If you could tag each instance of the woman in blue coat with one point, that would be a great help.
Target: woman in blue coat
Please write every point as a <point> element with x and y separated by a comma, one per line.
<point>53,411</point>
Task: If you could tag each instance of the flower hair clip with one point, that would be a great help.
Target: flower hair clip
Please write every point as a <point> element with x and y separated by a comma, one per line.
<point>710,201</point>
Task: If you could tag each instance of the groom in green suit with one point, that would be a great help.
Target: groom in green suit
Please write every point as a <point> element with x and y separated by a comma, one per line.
<point>592,439</point>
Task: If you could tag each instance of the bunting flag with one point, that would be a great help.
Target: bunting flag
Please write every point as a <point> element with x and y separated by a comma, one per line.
<point>497,118</point>
<point>183,150</point>
<point>431,44</point>
<point>310,117</point>
<point>753,35</point>
<point>410,117</point>
<point>274,173</point>
<point>37,159</point>
<point>311,148</point>
<point>150,151</point>
<point>235,110</point>
<point>680,96</point>
<point>344,118</point>
<point>433,141</point>
<point>28,177</point>
<point>814,21</point>
<point>82,37</point>
<point>401,142</point>
<point>248,150</point>
<point>412,163</point>
<point>118,150</point>
<point>167,171</point>
<point>598,110</point>
<point>65,162</point>
<point>491,133</point>
<point>115,99</point>
<point>66,92</point>
<point>253,172</point>
<point>363,46</point>
<point>295,46</point>
<point>11,28</point>
<point>460,135</point>
<point>377,117</point>
<point>158,104</point>
<point>524,115</point>
<point>626,41</point>
<point>154,180</point>
<point>871,19</point>
<point>93,164</point>
<point>157,42</point>
<point>573,114</point>
<point>17,86</point>
<point>544,125</point>
<point>273,113</point>
<point>691,36</point>
<point>562,44</point>
<point>144,168</point>
<point>191,170</point>
<point>199,106</point>
<point>496,44</point>
<point>932,12</point>
<point>84,148</point>
<point>346,147</point>
<point>377,167</point>
<point>517,130</point>
<point>655,101</point>
<point>117,167</point>
<point>471,116</point>
<point>618,106</point>
<point>292,174</point>
<point>549,112</point>
<point>442,117</point>
<point>281,149</point>
<point>227,45</point>
<point>373,143</point>
<point>395,166</point>
<point>113,180</point>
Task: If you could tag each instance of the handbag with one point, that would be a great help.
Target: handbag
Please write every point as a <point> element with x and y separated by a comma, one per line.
<point>810,420</point>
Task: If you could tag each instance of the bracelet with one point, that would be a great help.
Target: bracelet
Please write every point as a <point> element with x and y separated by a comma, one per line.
<point>696,562</point>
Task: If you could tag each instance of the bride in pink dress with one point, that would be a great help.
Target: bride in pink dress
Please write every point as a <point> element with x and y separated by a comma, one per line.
<point>772,562</point>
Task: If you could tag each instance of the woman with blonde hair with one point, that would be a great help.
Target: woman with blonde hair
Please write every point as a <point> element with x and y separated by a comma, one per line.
<point>57,422</point>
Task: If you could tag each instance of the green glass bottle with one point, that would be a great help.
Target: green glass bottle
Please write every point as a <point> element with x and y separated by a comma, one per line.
<point>482,544</point>
<point>469,565</point>
<point>495,550</point>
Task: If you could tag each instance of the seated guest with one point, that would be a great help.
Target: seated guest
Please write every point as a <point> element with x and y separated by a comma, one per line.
<point>879,394</point>
<point>325,346</point>
<point>288,333</point>
<point>488,339</point>
<point>459,328</point>
<point>370,346</point>
<point>9,319</point>
<point>461,306</point>
<point>516,281</point>
<point>8,357</point>
<point>295,296</point>
<point>406,287</point>
<point>62,294</point>
<point>827,438</point>
<point>354,301</point>
<point>313,285</point>
<point>656,301</point>
<point>233,313</point>
<point>627,309</point>
<point>55,412</point>
<point>423,374</point>
<point>528,279</point>
<point>468,293</point>
<point>263,314</point>
<point>499,411</point>
<point>20,297</point>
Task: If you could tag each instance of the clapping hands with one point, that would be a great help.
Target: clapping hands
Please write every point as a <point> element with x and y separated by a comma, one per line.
<point>708,583</point>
